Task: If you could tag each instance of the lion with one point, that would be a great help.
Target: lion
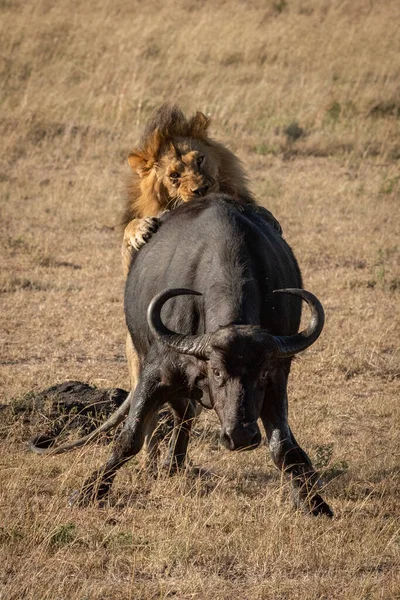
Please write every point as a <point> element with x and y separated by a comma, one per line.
<point>175,162</point>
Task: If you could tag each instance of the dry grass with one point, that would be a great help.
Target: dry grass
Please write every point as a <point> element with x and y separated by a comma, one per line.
<point>307,93</point>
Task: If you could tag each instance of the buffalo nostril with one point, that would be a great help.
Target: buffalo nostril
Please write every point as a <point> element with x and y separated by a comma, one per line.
<point>201,191</point>
<point>227,441</point>
<point>256,439</point>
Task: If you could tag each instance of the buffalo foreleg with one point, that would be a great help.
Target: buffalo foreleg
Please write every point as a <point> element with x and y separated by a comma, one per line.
<point>184,414</point>
<point>149,395</point>
<point>288,456</point>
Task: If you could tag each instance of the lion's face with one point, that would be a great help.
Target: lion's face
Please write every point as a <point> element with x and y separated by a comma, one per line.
<point>177,162</point>
<point>186,169</point>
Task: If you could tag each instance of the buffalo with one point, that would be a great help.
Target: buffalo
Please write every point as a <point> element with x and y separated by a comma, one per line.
<point>226,280</point>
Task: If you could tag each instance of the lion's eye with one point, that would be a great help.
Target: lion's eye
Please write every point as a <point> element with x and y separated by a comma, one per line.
<point>174,175</point>
<point>199,160</point>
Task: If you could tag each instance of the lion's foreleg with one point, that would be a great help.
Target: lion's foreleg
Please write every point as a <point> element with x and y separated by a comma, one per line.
<point>136,234</point>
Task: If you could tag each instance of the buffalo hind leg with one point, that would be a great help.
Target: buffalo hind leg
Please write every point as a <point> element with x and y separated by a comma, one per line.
<point>288,456</point>
<point>147,399</point>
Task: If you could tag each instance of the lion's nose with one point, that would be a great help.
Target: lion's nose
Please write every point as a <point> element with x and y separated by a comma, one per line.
<point>201,191</point>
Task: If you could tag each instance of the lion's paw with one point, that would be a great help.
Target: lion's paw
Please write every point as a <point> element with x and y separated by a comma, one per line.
<point>144,230</point>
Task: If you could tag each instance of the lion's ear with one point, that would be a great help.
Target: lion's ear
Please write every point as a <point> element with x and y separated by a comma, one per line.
<point>141,161</point>
<point>153,145</point>
<point>138,163</point>
<point>199,124</point>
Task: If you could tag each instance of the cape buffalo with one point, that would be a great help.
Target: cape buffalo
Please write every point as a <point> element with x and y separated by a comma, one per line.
<point>229,283</point>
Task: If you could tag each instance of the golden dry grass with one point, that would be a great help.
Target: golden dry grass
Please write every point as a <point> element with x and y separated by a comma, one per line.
<point>307,93</point>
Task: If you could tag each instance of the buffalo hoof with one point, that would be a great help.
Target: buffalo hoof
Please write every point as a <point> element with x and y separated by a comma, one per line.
<point>317,506</point>
<point>203,473</point>
<point>312,504</point>
<point>78,500</point>
<point>173,465</point>
<point>88,495</point>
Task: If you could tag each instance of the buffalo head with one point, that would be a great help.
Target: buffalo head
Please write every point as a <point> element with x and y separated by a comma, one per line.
<point>238,362</point>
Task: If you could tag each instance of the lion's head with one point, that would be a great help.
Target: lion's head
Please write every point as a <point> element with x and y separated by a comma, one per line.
<point>176,161</point>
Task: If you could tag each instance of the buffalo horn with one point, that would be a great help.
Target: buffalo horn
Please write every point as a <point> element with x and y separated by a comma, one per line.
<point>195,345</point>
<point>290,345</point>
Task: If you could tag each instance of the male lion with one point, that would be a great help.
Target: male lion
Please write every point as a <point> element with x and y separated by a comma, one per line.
<point>176,162</point>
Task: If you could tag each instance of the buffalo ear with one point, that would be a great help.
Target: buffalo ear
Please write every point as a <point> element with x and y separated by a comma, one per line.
<point>205,400</point>
<point>199,388</point>
<point>199,124</point>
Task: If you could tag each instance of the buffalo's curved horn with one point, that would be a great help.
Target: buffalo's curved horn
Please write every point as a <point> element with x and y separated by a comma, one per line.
<point>195,345</point>
<point>289,345</point>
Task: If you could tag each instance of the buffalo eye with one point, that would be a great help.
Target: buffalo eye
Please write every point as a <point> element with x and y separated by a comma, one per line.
<point>217,374</point>
<point>200,160</point>
<point>263,375</point>
<point>174,175</point>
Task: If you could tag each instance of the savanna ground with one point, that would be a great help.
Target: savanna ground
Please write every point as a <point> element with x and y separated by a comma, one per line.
<point>307,93</point>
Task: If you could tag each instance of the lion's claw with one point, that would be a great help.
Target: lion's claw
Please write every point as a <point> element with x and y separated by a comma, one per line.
<point>146,228</point>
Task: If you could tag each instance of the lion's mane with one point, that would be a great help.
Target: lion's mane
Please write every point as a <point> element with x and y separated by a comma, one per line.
<point>167,125</point>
